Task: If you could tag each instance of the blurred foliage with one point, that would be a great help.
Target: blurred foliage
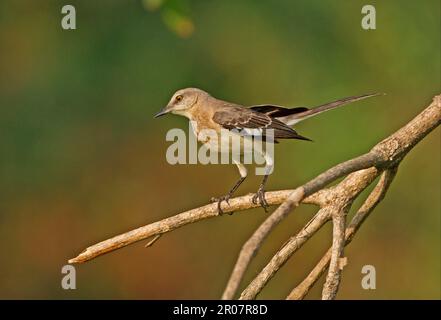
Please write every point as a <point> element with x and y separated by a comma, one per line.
<point>175,14</point>
<point>82,158</point>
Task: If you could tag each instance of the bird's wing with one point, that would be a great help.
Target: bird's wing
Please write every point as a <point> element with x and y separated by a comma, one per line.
<point>243,119</point>
<point>277,111</point>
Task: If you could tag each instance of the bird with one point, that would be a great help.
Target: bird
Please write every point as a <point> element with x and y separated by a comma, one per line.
<point>206,112</point>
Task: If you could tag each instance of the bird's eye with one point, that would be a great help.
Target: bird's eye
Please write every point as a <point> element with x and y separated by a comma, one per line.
<point>179,98</point>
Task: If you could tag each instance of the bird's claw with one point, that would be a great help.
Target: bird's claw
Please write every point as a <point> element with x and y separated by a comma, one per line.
<point>219,200</point>
<point>260,195</point>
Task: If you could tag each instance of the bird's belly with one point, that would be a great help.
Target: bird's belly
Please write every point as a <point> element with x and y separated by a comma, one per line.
<point>230,143</point>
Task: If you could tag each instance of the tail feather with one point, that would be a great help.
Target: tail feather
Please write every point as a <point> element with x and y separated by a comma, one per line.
<point>297,117</point>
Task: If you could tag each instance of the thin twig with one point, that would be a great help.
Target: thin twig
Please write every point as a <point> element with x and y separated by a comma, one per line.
<point>151,242</point>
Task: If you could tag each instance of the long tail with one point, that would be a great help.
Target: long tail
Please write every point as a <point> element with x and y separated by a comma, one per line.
<point>300,116</point>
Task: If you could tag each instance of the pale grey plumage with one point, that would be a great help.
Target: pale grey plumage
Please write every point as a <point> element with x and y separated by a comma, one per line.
<point>208,112</point>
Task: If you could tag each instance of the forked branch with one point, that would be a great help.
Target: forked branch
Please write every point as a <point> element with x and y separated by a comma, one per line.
<point>334,203</point>
<point>386,154</point>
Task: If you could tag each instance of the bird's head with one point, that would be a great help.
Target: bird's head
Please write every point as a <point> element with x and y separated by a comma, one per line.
<point>182,101</point>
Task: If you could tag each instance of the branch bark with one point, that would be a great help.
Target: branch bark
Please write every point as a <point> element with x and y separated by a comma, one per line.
<point>335,266</point>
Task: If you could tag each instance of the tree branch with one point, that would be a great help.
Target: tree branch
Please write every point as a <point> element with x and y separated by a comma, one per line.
<point>385,154</point>
<point>335,266</point>
<point>336,199</point>
<point>368,206</point>
<point>169,224</point>
<point>334,202</point>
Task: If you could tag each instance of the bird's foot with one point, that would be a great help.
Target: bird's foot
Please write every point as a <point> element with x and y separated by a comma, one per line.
<point>260,195</point>
<point>219,200</point>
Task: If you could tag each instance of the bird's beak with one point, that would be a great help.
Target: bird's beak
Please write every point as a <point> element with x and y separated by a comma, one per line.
<point>165,110</point>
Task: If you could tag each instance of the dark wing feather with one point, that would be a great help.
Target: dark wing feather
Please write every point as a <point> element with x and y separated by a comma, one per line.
<point>277,111</point>
<point>243,118</point>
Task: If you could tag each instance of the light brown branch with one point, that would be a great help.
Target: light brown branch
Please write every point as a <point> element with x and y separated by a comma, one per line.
<point>335,266</point>
<point>288,249</point>
<point>387,153</point>
<point>182,219</point>
<point>374,198</point>
<point>335,199</point>
<point>253,244</point>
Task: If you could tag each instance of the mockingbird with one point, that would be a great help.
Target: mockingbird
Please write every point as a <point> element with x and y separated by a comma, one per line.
<point>208,113</point>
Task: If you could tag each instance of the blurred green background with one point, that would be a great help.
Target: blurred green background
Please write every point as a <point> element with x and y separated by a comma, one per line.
<point>82,158</point>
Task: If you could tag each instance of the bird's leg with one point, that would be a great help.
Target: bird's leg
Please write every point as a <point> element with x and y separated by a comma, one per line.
<point>260,194</point>
<point>226,198</point>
